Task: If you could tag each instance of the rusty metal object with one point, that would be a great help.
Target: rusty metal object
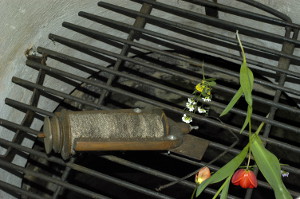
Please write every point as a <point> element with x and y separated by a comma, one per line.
<point>125,129</point>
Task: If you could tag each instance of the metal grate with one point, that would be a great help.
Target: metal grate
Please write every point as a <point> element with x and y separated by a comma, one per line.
<point>156,62</point>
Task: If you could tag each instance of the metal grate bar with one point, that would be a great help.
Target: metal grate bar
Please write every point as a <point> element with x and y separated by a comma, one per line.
<point>120,73</point>
<point>18,104</point>
<point>103,176</point>
<point>212,35</point>
<point>96,83</point>
<point>19,191</point>
<point>248,14</point>
<point>219,22</point>
<point>88,47</point>
<point>11,166</point>
<point>54,92</point>
<point>59,56</point>
<point>140,22</point>
<point>177,40</point>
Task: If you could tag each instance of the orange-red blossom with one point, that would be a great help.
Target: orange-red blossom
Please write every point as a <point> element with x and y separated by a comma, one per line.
<point>244,178</point>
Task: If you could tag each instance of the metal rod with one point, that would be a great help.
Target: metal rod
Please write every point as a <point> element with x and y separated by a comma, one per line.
<point>57,93</point>
<point>16,190</point>
<point>140,23</point>
<point>220,23</point>
<point>18,104</point>
<point>84,170</point>
<point>250,15</point>
<point>212,35</point>
<point>141,168</point>
<point>92,48</point>
<point>6,123</point>
<point>72,187</point>
<point>157,173</point>
<point>56,55</point>
<point>96,83</point>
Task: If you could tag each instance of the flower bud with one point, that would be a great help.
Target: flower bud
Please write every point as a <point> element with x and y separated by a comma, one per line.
<point>203,174</point>
<point>244,178</point>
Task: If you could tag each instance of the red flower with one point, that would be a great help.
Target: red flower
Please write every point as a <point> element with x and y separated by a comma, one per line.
<point>202,175</point>
<point>244,178</point>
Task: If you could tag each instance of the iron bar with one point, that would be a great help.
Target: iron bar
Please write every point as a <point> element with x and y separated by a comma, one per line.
<point>56,55</point>
<point>101,176</point>
<point>72,187</point>
<point>177,40</point>
<point>13,125</point>
<point>96,83</point>
<point>253,32</point>
<point>55,92</point>
<point>131,44</point>
<point>211,35</point>
<point>140,23</point>
<point>73,43</point>
<point>19,191</point>
<point>64,177</point>
<point>28,107</point>
<point>250,15</point>
<point>156,173</point>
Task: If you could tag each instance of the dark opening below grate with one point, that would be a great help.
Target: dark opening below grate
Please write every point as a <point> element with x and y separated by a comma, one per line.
<point>156,63</point>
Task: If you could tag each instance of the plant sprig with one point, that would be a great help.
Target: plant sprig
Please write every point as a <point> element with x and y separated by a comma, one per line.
<point>266,162</point>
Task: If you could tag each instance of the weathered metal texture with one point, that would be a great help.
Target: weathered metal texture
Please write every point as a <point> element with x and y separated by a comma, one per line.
<point>123,129</point>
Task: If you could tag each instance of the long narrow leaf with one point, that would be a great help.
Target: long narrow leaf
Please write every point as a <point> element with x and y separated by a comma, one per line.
<point>233,101</point>
<point>225,171</point>
<point>269,165</point>
<point>246,82</point>
<point>248,118</point>
<point>246,75</point>
<point>224,193</point>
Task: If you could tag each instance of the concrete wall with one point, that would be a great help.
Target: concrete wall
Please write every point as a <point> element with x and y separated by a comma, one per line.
<point>27,23</point>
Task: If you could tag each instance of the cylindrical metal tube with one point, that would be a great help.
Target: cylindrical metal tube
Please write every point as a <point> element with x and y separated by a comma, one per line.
<point>127,129</point>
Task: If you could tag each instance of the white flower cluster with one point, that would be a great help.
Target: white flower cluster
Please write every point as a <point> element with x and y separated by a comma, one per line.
<point>191,105</point>
<point>201,93</point>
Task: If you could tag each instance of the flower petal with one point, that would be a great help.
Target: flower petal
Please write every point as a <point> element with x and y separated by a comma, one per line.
<point>237,177</point>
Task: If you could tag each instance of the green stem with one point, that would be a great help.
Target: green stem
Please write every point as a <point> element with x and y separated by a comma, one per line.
<point>249,158</point>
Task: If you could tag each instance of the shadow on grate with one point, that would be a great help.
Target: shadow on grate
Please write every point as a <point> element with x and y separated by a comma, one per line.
<point>157,66</point>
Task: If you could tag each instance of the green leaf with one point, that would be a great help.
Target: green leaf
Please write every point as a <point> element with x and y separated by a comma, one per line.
<point>224,193</point>
<point>260,127</point>
<point>225,171</point>
<point>232,102</point>
<point>210,79</point>
<point>248,118</point>
<point>246,75</point>
<point>212,83</point>
<point>269,166</point>
<point>246,82</point>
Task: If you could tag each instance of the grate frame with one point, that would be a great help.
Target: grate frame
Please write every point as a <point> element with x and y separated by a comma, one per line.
<point>136,32</point>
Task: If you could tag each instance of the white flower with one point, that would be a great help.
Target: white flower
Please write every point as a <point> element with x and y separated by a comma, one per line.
<point>201,110</point>
<point>284,173</point>
<point>206,99</point>
<point>187,119</point>
<point>191,104</point>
